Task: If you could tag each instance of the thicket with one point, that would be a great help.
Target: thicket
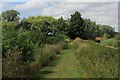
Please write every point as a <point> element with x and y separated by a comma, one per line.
<point>27,47</point>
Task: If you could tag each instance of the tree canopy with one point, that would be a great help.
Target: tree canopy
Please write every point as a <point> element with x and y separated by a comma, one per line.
<point>10,15</point>
<point>75,26</point>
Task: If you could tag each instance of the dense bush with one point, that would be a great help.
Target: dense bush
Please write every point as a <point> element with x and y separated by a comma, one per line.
<point>13,39</point>
<point>34,50</point>
<point>97,64</point>
<point>14,67</point>
<point>56,38</point>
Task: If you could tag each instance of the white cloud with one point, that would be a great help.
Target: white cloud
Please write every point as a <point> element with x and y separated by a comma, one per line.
<point>60,0</point>
<point>14,0</point>
<point>102,13</point>
<point>30,6</point>
<point>63,9</point>
<point>106,14</point>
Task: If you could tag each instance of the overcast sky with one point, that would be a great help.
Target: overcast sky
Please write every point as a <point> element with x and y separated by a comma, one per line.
<point>102,12</point>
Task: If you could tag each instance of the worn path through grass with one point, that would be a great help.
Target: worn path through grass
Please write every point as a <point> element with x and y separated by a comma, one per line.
<point>64,66</point>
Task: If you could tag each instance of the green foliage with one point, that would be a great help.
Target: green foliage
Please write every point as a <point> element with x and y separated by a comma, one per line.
<point>56,38</point>
<point>91,29</point>
<point>98,64</point>
<point>76,28</point>
<point>10,15</point>
<point>24,24</point>
<point>105,29</point>
<point>111,42</point>
<point>106,36</point>
<point>25,40</point>
<point>61,25</point>
<point>35,47</point>
<point>43,23</point>
<point>14,67</point>
<point>8,26</point>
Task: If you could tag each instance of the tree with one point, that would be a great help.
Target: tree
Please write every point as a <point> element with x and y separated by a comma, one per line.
<point>61,26</point>
<point>105,29</point>
<point>10,16</point>
<point>90,29</point>
<point>76,28</point>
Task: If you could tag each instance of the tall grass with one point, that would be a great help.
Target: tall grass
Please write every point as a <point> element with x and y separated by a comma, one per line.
<point>98,61</point>
<point>14,67</point>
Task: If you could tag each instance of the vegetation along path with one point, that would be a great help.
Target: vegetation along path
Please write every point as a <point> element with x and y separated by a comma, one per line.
<point>65,66</point>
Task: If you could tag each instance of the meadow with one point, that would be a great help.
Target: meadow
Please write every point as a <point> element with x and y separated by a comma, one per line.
<point>98,61</point>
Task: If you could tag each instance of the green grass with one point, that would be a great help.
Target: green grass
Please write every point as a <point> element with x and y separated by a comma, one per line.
<point>89,60</point>
<point>64,66</point>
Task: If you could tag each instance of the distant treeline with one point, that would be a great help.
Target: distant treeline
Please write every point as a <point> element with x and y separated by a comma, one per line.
<point>75,26</point>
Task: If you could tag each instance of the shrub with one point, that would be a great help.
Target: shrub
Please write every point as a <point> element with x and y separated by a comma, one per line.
<point>25,40</point>
<point>55,38</point>
<point>15,67</point>
<point>8,26</point>
<point>34,50</point>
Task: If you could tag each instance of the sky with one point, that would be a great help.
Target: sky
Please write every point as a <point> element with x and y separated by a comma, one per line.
<point>101,11</point>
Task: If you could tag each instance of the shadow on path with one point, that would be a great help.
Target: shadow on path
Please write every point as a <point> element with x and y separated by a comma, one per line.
<point>45,71</point>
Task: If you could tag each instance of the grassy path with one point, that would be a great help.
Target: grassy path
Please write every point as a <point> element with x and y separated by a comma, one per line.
<point>64,66</point>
